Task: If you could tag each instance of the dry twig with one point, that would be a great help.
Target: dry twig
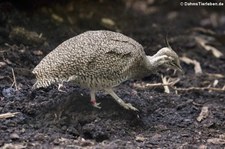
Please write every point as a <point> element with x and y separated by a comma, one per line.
<point>201,89</point>
<point>203,43</point>
<point>165,80</point>
<point>204,113</point>
<point>171,84</point>
<point>215,75</point>
<point>203,30</point>
<point>149,85</point>
<point>8,115</point>
<point>197,66</point>
<point>14,80</point>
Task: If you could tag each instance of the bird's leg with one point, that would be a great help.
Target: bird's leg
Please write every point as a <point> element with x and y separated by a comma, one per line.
<point>93,100</point>
<point>120,101</point>
<point>60,87</point>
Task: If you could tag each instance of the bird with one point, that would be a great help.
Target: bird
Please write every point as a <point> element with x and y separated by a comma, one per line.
<point>101,60</point>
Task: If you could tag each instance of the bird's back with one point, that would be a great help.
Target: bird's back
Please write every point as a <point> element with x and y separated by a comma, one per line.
<point>95,59</point>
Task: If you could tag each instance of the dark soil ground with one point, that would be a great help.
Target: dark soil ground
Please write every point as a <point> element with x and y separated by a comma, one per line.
<point>47,118</point>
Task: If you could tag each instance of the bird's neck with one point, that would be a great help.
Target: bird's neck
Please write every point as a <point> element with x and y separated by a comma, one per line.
<point>148,67</point>
<point>153,62</point>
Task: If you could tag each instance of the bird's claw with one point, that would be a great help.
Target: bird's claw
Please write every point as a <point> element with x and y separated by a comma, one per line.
<point>61,87</point>
<point>61,90</point>
<point>130,107</point>
<point>96,105</point>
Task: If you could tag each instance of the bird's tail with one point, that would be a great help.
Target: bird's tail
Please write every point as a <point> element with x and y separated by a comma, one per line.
<point>42,83</point>
<point>46,82</point>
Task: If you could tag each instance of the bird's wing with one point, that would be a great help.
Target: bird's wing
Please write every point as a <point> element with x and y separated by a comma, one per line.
<point>117,58</point>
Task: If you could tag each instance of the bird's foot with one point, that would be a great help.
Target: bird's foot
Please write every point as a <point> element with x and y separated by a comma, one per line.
<point>61,88</point>
<point>95,104</point>
<point>129,107</point>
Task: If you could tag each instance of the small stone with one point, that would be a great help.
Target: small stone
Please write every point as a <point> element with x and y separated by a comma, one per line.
<point>56,142</point>
<point>140,138</point>
<point>216,141</point>
<point>202,146</point>
<point>156,137</point>
<point>14,136</point>
<point>2,64</point>
<point>85,143</point>
<point>38,52</point>
<point>64,128</point>
<point>8,92</point>
<point>23,130</point>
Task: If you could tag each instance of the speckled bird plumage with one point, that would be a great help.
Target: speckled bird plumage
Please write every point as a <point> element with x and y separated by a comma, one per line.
<point>99,60</point>
<point>94,59</point>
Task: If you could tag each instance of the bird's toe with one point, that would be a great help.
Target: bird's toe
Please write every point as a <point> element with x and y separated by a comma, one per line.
<point>130,107</point>
<point>96,105</point>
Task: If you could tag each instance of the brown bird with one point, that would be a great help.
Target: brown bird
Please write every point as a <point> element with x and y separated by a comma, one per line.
<point>101,60</point>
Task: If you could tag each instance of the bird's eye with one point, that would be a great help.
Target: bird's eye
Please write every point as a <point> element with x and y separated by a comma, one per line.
<point>173,62</point>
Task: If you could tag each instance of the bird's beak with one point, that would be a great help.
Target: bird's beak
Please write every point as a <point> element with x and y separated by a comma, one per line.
<point>179,68</point>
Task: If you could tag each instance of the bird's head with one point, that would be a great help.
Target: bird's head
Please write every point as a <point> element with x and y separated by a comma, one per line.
<point>167,57</point>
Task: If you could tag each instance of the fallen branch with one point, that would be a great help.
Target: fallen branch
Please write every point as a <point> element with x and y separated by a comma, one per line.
<point>8,115</point>
<point>149,85</point>
<point>203,30</point>
<point>215,75</point>
<point>197,66</point>
<point>203,43</point>
<point>171,84</point>
<point>201,89</point>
